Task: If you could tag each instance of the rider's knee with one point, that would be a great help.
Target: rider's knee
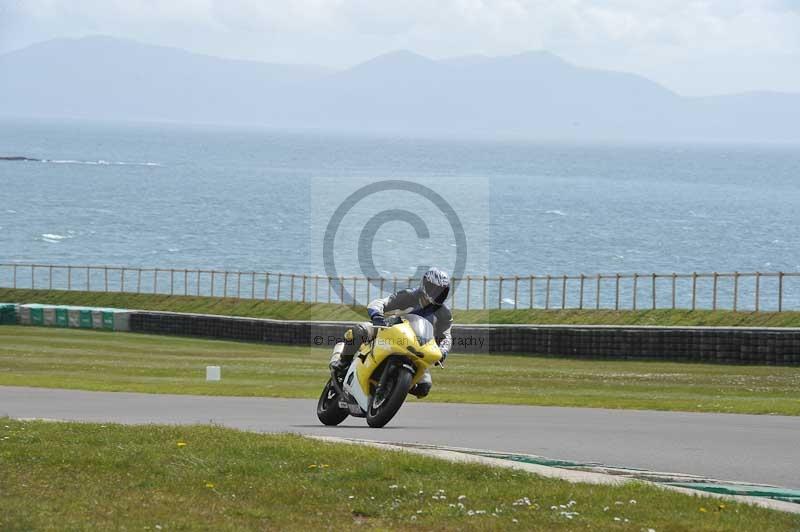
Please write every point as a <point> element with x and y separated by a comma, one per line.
<point>357,335</point>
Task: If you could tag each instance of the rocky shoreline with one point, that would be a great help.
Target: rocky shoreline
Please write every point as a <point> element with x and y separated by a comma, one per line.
<point>17,158</point>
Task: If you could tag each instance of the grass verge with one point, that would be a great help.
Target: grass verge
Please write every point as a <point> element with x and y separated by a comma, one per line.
<point>70,476</point>
<point>105,361</point>
<point>322,311</point>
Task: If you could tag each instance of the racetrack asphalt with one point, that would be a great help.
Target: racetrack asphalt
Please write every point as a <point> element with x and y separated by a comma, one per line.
<point>731,447</point>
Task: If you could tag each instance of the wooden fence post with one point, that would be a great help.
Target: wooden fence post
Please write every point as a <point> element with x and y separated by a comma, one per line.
<point>597,293</point>
<point>516,290</point>
<point>122,280</point>
<point>266,286</point>
<point>580,299</point>
<point>484,292</point>
<point>616,295</point>
<point>138,280</point>
<point>735,290</point>
<point>654,291</point>
<point>674,276</point>
<point>33,276</point>
<point>305,278</point>
<point>341,290</point>
<point>694,290</point>
<point>635,288</point>
<point>500,293</point>
<point>51,277</point>
<point>780,291</point>
<point>355,290</point>
<point>291,288</point>
<point>69,278</point>
<point>564,293</point>
<point>278,295</point>
<point>14,268</point>
<point>714,291</point>
<point>469,282</point>
<point>547,292</point>
<point>532,289</point>
<point>758,289</point>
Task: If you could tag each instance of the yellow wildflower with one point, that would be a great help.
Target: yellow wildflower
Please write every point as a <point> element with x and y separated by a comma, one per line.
<point>209,485</point>
<point>181,444</point>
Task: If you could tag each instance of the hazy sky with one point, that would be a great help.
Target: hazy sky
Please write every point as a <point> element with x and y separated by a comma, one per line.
<point>693,47</point>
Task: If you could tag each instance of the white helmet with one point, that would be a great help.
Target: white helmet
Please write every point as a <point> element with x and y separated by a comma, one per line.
<point>435,286</point>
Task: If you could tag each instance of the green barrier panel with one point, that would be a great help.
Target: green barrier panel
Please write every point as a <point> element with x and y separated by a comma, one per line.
<point>37,316</point>
<point>62,317</point>
<point>8,314</point>
<point>108,320</point>
<point>85,319</point>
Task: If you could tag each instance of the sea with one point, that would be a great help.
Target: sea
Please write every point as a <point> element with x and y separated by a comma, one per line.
<point>236,198</point>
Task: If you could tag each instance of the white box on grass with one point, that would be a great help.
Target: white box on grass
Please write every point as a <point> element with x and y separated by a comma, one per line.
<point>213,373</point>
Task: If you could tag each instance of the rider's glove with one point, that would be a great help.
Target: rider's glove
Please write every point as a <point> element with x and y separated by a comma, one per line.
<point>378,320</point>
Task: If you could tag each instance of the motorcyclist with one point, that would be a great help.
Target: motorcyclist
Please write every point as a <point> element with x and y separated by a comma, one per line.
<point>427,301</point>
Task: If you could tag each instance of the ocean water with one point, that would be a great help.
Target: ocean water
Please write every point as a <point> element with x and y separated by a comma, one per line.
<point>214,197</point>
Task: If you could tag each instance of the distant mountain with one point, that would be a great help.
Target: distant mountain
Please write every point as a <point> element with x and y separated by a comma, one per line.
<point>532,95</point>
<point>104,77</point>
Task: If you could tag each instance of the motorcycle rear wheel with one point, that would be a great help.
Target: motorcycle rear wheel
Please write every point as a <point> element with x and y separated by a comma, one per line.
<point>382,408</point>
<point>328,410</point>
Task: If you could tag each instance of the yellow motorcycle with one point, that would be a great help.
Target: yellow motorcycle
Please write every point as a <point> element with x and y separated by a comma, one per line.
<point>381,374</point>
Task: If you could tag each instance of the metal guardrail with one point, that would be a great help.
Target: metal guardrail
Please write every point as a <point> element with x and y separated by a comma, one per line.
<point>755,291</point>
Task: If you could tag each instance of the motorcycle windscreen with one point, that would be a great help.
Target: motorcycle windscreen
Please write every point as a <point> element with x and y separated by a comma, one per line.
<point>421,327</point>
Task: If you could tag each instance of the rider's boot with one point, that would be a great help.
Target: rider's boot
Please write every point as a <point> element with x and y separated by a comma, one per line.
<point>423,387</point>
<point>353,338</point>
<point>339,363</point>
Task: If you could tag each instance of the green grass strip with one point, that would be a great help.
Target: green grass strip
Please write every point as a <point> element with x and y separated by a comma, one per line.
<point>70,476</point>
<point>322,311</point>
<point>109,361</point>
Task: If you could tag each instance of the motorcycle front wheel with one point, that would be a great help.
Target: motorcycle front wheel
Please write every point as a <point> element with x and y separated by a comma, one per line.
<point>389,397</point>
<point>328,409</point>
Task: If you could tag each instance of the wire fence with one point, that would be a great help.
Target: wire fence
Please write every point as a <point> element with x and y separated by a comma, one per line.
<point>745,291</point>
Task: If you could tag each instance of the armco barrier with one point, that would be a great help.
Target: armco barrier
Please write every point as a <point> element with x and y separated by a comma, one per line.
<point>696,344</point>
